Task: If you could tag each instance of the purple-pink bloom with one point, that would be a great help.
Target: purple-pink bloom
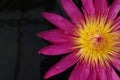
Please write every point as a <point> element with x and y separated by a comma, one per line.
<point>92,40</point>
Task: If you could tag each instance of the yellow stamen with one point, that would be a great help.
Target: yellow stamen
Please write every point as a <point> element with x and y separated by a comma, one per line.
<point>96,41</point>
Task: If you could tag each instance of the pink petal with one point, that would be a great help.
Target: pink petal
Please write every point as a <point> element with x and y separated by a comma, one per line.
<point>101,75</point>
<point>114,75</point>
<point>54,36</point>
<point>72,11</point>
<point>92,75</point>
<point>88,7</point>
<point>114,9</point>
<point>111,74</point>
<point>100,6</point>
<point>56,49</point>
<point>62,65</point>
<point>75,73</point>
<point>116,63</point>
<point>80,72</point>
<point>116,24</point>
<point>117,28</point>
<point>59,21</point>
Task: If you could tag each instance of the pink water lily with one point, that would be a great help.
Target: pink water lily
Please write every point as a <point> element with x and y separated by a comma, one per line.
<point>91,39</point>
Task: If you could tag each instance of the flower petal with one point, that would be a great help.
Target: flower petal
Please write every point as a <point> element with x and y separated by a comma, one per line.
<point>117,27</point>
<point>116,63</point>
<point>56,49</point>
<point>116,24</point>
<point>62,65</point>
<point>92,75</point>
<point>114,75</point>
<point>54,36</point>
<point>88,7</point>
<point>111,75</point>
<point>80,72</point>
<point>72,11</point>
<point>101,75</point>
<point>114,9</point>
<point>59,21</point>
<point>100,6</point>
<point>75,73</point>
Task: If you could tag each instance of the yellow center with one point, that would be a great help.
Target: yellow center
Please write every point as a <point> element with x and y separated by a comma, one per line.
<point>96,41</point>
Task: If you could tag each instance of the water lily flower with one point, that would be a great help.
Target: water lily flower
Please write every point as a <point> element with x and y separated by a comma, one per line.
<point>91,38</point>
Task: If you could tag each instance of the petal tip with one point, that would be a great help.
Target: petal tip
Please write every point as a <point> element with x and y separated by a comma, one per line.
<point>38,35</point>
<point>45,14</point>
<point>41,52</point>
<point>46,76</point>
<point>50,73</point>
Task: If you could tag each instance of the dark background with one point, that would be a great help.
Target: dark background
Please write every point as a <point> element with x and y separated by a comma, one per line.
<point>20,20</point>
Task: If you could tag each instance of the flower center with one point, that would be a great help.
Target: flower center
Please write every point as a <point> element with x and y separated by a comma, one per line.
<point>98,39</point>
<point>96,42</point>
